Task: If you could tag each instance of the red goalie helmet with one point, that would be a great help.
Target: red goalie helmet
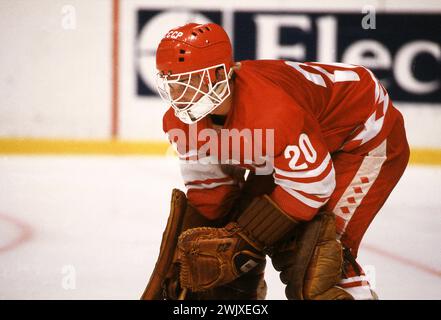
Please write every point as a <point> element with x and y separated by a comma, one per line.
<point>188,60</point>
<point>193,47</point>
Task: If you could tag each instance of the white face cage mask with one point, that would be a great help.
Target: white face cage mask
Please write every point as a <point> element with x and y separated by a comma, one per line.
<point>192,94</point>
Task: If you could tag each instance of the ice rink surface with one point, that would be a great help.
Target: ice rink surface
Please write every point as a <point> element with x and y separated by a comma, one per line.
<point>90,228</point>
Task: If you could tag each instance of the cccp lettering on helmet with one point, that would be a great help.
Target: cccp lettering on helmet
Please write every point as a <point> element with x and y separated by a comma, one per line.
<point>174,34</point>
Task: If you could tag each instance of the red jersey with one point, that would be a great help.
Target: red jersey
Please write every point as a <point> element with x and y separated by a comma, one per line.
<point>311,110</point>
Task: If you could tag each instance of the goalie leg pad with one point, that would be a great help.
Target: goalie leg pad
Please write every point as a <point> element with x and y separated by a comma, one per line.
<point>311,262</point>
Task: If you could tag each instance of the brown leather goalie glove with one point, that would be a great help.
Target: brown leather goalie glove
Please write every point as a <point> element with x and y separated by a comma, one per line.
<point>211,257</point>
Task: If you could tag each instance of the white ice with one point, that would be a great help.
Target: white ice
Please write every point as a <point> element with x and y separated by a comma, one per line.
<point>90,228</point>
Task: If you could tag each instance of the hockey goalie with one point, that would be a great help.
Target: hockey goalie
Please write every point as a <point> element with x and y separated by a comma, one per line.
<point>323,145</point>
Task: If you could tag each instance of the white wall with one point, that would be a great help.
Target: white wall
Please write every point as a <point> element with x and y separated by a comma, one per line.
<point>55,82</point>
<point>422,124</point>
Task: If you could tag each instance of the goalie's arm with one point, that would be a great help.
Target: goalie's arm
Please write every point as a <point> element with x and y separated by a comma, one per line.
<point>211,257</point>
<point>210,189</point>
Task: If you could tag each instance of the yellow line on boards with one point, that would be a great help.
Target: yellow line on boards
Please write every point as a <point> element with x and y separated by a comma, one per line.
<point>82,147</point>
<point>425,156</point>
<point>14,146</point>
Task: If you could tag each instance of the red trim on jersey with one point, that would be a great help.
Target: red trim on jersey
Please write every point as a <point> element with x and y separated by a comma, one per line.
<point>313,197</point>
<point>213,203</point>
<point>208,181</point>
<point>354,284</point>
<point>318,178</point>
<point>292,206</point>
